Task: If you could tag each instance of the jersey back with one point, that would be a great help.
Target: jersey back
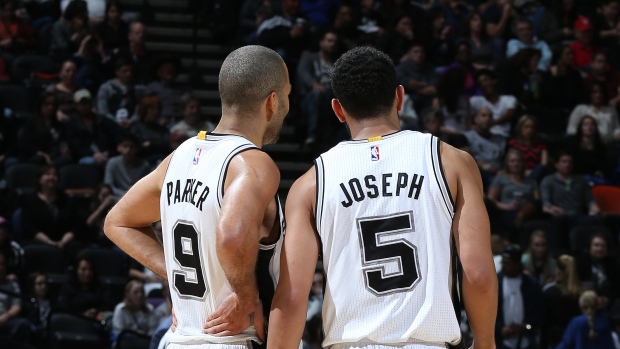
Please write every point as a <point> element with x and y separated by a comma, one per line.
<point>190,205</point>
<point>384,215</point>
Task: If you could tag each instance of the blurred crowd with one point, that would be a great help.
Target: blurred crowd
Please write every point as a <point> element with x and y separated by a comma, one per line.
<point>529,88</point>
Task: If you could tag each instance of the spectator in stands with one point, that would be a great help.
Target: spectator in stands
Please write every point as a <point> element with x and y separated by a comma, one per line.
<point>588,149</point>
<point>287,33</point>
<point>557,23</point>
<point>502,107</point>
<point>463,60</point>
<point>432,122</point>
<point>369,20</point>
<point>134,313</point>
<point>82,294</point>
<point>452,102</point>
<point>137,52</point>
<point>499,17</point>
<point>486,148</point>
<point>512,193</point>
<point>253,13</point>
<point>522,79</point>
<point>537,261</point>
<point>96,9</point>
<point>344,27</point>
<point>567,197</point>
<point>152,136</point>
<point>320,13</point>
<point>534,150</point>
<point>418,77</point>
<point>102,202</point>
<point>40,308</point>
<point>93,63</point>
<point>117,98</point>
<point>599,271</point>
<point>561,301</point>
<point>561,89</point>
<point>167,90</point>
<point>113,30</point>
<point>313,78</point>
<point>611,78</point>
<point>124,170</point>
<point>13,253</point>
<point>11,326</point>
<point>590,330</point>
<point>40,140</point>
<point>397,39</point>
<point>192,122</point>
<point>69,31</point>
<point>152,282</point>
<point>525,39</point>
<point>16,34</point>
<point>438,36</point>
<point>483,50</point>
<point>607,29</point>
<point>92,138</point>
<point>583,48</point>
<point>519,308</point>
<point>48,216</point>
<point>598,108</point>
<point>64,90</point>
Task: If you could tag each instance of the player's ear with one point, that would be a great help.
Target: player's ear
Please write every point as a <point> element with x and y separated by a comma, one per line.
<point>400,97</point>
<point>337,107</point>
<point>271,105</point>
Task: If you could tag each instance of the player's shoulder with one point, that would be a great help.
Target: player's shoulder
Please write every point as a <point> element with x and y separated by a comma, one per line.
<point>257,161</point>
<point>304,188</point>
<point>455,161</point>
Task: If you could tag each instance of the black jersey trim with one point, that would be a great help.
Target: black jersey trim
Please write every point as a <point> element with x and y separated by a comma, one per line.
<point>456,289</point>
<point>443,176</point>
<point>279,221</point>
<point>319,167</point>
<point>224,172</point>
<point>437,179</point>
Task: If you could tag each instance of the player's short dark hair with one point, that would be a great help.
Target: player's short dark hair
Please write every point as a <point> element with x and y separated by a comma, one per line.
<point>249,74</point>
<point>364,81</point>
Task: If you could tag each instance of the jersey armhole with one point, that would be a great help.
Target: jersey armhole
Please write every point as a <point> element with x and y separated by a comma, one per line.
<point>440,176</point>
<point>220,187</point>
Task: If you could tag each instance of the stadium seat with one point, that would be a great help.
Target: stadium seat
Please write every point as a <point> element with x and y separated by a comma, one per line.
<point>132,340</point>
<point>16,98</point>
<point>20,180</point>
<point>70,331</point>
<point>608,198</point>
<point>77,180</point>
<point>44,258</point>
<point>111,269</point>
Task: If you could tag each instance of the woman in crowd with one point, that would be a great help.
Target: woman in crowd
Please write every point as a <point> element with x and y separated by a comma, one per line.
<point>38,293</point>
<point>483,50</point>
<point>590,330</point>
<point>48,216</point>
<point>153,137</point>
<point>438,37</point>
<point>113,30</point>
<point>64,90</point>
<point>598,108</point>
<point>82,294</point>
<point>452,102</point>
<point>512,193</point>
<point>533,149</point>
<point>537,260</point>
<point>561,300</point>
<point>599,271</point>
<point>134,313</point>
<point>398,38</point>
<point>589,151</point>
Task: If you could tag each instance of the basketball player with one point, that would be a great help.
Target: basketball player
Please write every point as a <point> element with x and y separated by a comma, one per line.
<point>387,212</point>
<point>216,198</point>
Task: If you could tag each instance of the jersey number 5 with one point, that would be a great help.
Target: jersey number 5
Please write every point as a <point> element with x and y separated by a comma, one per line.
<point>190,280</point>
<point>378,250</point>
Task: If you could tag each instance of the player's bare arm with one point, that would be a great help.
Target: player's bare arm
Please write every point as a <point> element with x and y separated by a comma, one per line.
<point>297,263</point>
<point>128,223</point>
<point>249,190</point>
<point>472,234</point>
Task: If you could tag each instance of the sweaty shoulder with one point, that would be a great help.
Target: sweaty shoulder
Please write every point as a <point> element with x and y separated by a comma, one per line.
<point>256,164</point>
<point>457,165</point>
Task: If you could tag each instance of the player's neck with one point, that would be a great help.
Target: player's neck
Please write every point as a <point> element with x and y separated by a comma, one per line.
<point>374,127</point>
<point>244,129</point>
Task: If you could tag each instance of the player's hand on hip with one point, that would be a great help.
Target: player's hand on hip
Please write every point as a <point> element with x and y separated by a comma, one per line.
<point>234,316</point>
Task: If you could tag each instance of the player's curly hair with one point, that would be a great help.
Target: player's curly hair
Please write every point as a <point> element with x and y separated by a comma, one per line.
<point>364,81</point>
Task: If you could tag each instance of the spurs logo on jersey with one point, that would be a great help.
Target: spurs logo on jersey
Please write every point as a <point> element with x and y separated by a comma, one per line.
<point>190,208</point>
<point>385,224</point>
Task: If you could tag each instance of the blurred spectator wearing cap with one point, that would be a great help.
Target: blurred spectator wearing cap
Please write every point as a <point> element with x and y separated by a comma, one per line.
<point>153,138</point>
<point>17,329</point>
<point>503,107</point>
<point>91,137</point>
<point>583,48</point>
<point>13,253</point>
<point>525,39</point>
<point>599,71</point>
<point>599,271</point>
<point>136,52</point>
<point>597,106</point>
<point>192,122</point>
<point>117,98</point>
<point>418,77</point>
<point>124,170</point>
<point>519,312</point>
<point>607,29</point>
<point>557,22</point>
<point>590,330</point>
<point>64,90</point>
<point>167,90</point>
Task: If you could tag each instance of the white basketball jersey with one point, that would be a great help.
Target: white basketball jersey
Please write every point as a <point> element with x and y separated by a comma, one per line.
<point>190,204</point>
<point>384,215</point>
